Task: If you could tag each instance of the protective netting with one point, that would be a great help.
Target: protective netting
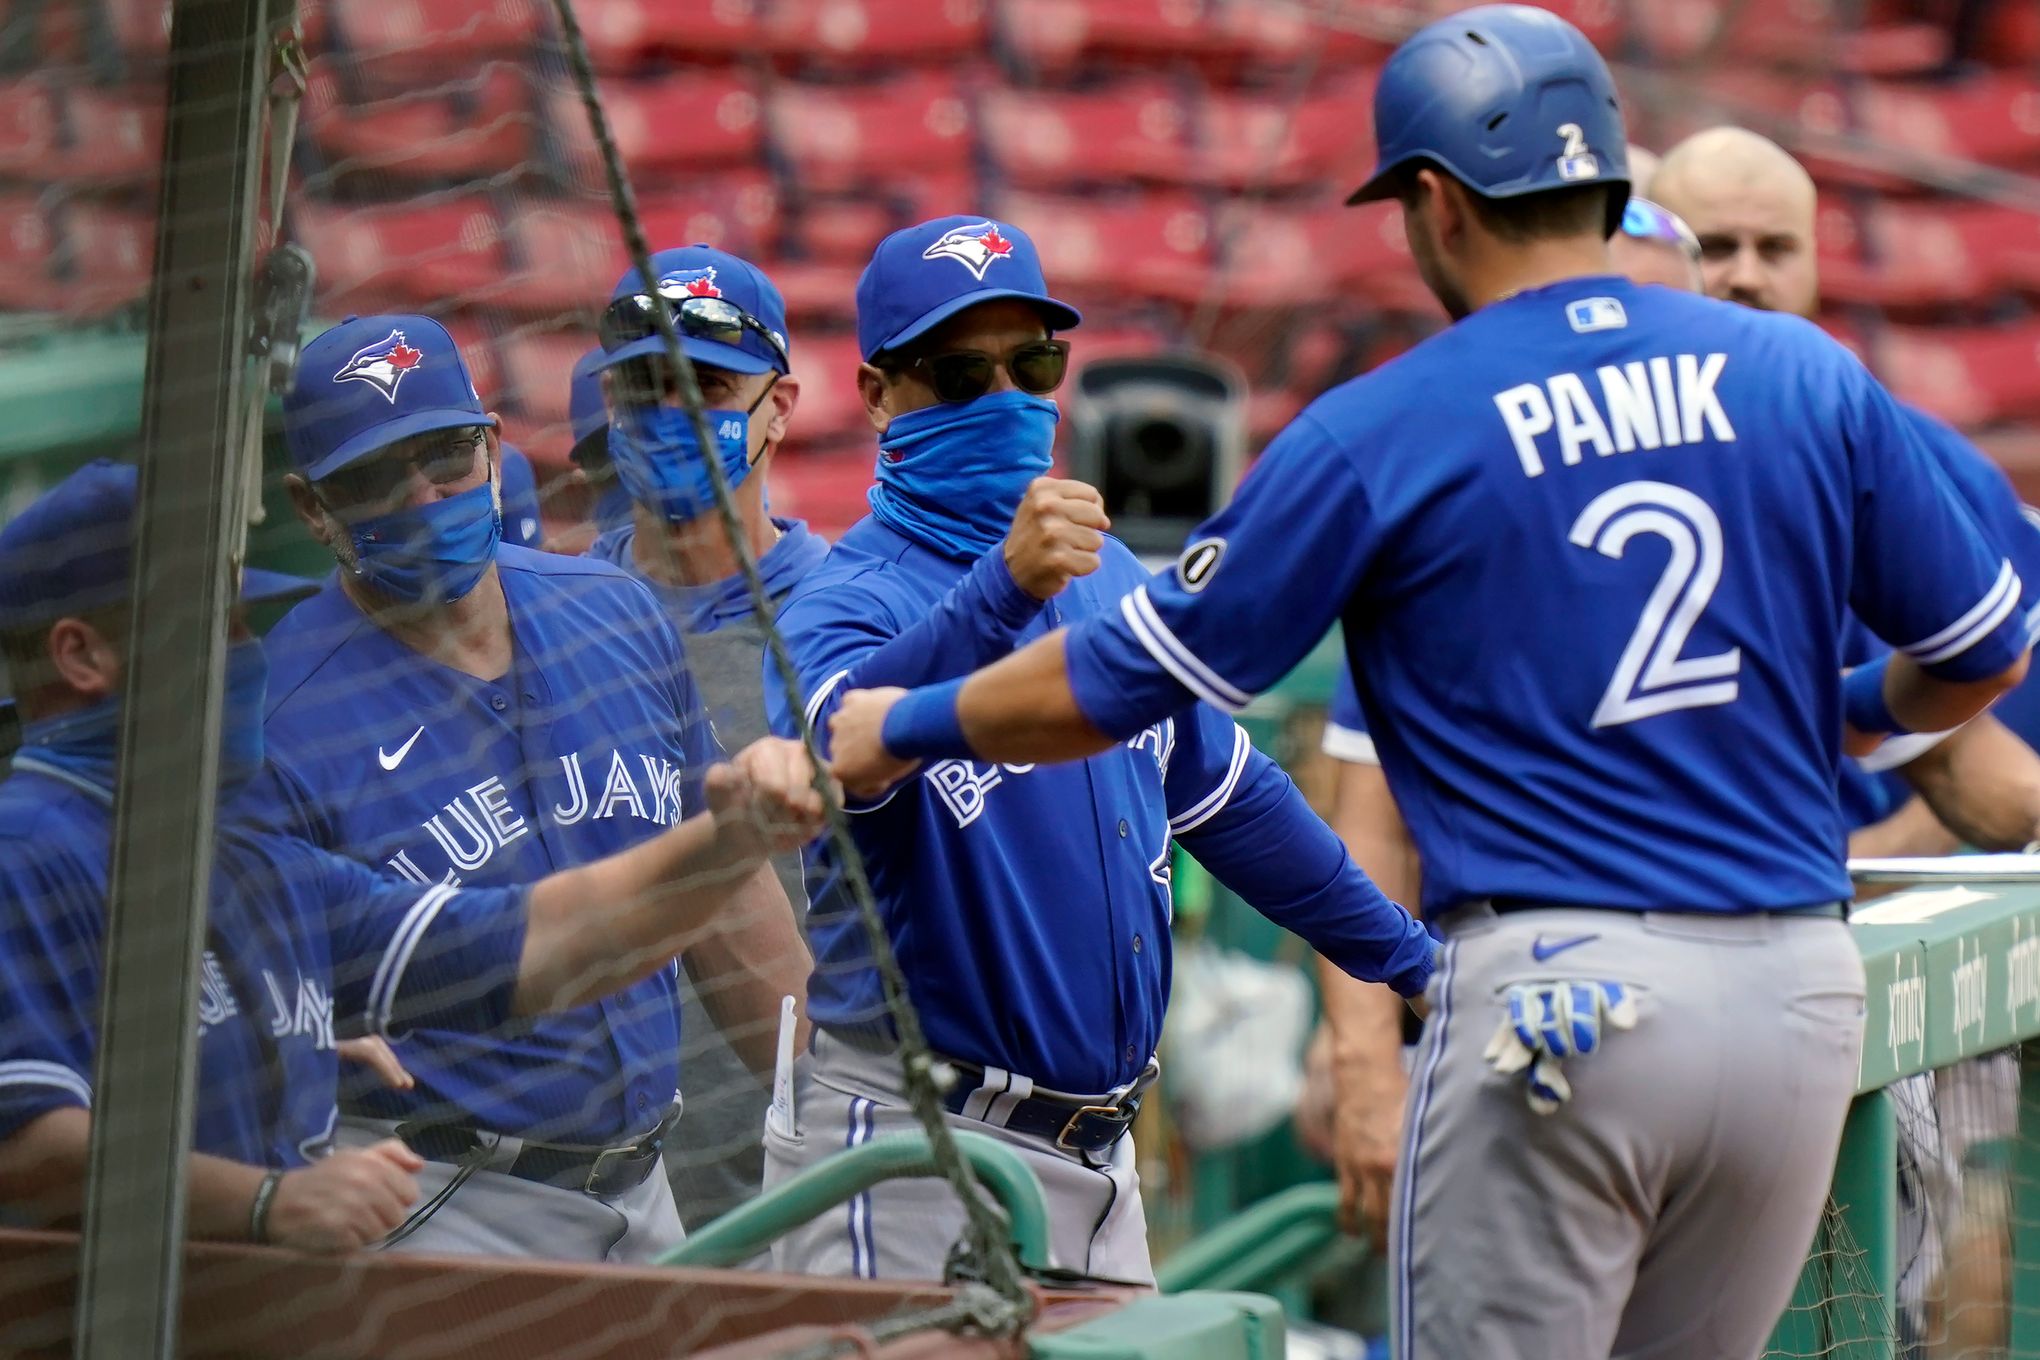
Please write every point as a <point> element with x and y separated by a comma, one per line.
<point>1181,164</point>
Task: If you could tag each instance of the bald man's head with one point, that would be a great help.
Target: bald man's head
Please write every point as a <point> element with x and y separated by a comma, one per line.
<point>1752,206</point>
<point>1643,165</point>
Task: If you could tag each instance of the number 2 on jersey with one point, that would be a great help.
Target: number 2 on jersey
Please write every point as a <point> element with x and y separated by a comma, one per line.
<point>1651,677</point>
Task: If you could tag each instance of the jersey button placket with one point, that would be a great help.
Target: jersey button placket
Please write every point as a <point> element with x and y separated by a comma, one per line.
<point>1123,828</point>
<point>498,702</point>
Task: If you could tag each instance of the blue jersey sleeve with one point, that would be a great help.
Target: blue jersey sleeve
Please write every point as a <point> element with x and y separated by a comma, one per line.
<point>1928,579</point>
<point>1347,736</point>
<point>1259,584</point>
<point>1246,821</point>
<point>849,635</point>
<point>406,957</point>
<point>49,986</point>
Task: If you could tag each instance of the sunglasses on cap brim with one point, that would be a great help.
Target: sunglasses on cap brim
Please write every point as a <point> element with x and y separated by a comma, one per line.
<point>1644,220</point>
<point>957,375</point>
<point>630,319</point>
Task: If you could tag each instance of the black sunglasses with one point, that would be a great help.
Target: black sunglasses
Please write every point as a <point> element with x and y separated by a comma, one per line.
<point>443,456</point>
<point>956,375</point>
<point>630,319</point>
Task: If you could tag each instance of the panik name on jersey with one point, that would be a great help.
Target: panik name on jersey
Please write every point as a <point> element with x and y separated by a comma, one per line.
<point>470,828</point>
<point>1657,403</point>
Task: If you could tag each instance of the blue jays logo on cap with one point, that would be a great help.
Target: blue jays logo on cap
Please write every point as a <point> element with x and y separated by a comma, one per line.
<point>689,283</point>
<point>381,365</point>
<point>976,248</point>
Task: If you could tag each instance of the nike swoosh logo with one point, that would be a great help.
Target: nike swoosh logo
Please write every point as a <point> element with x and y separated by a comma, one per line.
<point>1541,951</point>
<point>390,762</point>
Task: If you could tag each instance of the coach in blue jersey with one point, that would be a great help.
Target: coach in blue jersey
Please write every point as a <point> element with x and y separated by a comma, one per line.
<point>1029,907</point>
<point>1753,208</point>
<point>455,710</point>
<point>301,944</point>
<point>1591,546</point>
<point>732,324</point>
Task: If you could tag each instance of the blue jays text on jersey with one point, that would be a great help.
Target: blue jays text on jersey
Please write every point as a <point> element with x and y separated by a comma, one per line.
<point>1592,547</point>
<point>1030,906</point>
<point>592,742</point>
<point>303,945</point>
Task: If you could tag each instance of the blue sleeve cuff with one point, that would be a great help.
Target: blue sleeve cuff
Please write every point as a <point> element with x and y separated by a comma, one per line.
<point>925,724</point>
<point>1863,705</point>
<point>1006,603</point>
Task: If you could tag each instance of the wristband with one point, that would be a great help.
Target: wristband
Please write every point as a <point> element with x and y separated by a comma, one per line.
<point>1863,705</point>
<point>258,1211</point>
<point>925,724</point>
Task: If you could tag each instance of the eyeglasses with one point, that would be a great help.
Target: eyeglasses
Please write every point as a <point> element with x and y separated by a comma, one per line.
<point>630,319</point>
<point>1646,221</point>
<point>956,375</point>
<point>442,456</point>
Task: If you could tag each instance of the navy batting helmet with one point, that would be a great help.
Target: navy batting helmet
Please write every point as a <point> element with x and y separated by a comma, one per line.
<point>1507,99</point>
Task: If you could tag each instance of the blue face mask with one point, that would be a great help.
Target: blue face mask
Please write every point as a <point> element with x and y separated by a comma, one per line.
<point>86,743</point>
<point>659,461</point>
<point>951,476</point>
<point>435,552</point>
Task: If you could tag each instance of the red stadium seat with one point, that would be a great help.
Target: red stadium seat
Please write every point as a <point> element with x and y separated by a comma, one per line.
<point>1133,130</point>
<point>816,294</point>
<point>1967,377</point>
<point>822,485</point>
<point>850,138</point>
<point>830,411</point>
<point>1994,118</point>
<point>1600,20</point>
<point>695,121</point>
<point>477,345</point>
<point>844,230</point>
<point>28,255</point>
<point>1286,257</point>
<point>433,255</point>
<point>569,253</point>
<point>1286,35</point>
<point>78,134</point>
<point>537,368</point>
<point>1260,141</point>
<point>875,31</point>
<point>114,136</point>
<point>1801,34</point>
<point>1155,246</point>
<point>399,44</point>
<point>110,250</point>
<point>141,28</point>
<point>1051,35</point>
<point>478,126</point>
<point>1926,254</point>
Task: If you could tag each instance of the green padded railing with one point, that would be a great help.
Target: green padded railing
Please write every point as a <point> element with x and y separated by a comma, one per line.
<point>745,1231</point>
<point>1264,1247</point>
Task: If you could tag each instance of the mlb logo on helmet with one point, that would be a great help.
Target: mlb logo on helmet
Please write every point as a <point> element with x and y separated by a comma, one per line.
<point>687,283</point>
<point>976,248</point>
<point>381,365</point>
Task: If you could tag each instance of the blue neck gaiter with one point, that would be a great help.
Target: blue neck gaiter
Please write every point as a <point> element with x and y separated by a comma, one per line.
<point>659,461</point>
<point>950,477</point>
<point>85,744</point>
<point>433,553</point>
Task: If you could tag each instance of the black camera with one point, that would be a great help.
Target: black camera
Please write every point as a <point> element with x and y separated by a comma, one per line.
<point>1163,438</point>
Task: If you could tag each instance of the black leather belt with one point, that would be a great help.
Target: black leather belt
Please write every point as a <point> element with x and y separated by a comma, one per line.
<point>1838,911</point>
<point>604,1172</point>
<point>1071,1123</point>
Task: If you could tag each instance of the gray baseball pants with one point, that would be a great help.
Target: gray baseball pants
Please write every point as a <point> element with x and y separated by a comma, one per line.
<point>493,1214</point>
<point>1664,1212</point>
<point>905,1229</point>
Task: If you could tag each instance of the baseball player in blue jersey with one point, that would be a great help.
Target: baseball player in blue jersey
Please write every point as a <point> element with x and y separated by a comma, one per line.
<point>1029,907</point>
<point>301,944</point>
<point>1752,207</point>
<point>588,416</point>
<point>521,523</point>
<point>732,323</point>
<point>460,711</point>
<point>1591,546</point>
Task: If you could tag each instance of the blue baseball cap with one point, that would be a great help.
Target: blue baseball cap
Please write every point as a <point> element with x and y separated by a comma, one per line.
<point>370,382</point>
<point>586,411</point>
<point>921,276</point>
<point>703,271</point>
<point>72,550</point>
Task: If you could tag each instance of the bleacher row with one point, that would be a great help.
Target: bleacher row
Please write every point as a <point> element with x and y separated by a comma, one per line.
<point>1180,162</point>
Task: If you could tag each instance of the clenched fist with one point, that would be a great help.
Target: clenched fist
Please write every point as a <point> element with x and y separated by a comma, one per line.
<point>347,1201</point>
<point>767,791</point>
<point>1056,535</point>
